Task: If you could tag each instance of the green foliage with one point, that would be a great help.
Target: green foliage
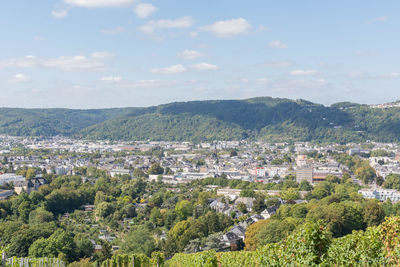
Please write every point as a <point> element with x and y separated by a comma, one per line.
<point>264,118</point>
<point>392,181</point>
<point>137,260</point>
<point>185,231</point>
<point>203,259</point>
<point>238,259</point>
<point>365,173</point>
<point>140,241</point>
<point>247,193</point>
<point>312,245</point>
<point>156,169</point>
<point>357,249</point>
<point>59,243</point>
<point>290,194</point>
<point>39,216</point>
<point>184,209</point>
<point>51,122</point>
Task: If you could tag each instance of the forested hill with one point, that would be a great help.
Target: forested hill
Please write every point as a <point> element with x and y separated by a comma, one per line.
<point>263,118</point>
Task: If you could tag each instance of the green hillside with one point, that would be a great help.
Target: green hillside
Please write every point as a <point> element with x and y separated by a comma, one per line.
<point>50,122</point>
<point>262,118</point>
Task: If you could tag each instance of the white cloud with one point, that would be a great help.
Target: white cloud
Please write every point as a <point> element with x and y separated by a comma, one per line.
<point>115,79</point>
<point>101,55</point>
<point>365,75</point>
<point>276,64</point>
<point>174,69</point>
<point>154,25</point>
<point>262,28</point>
<point>67,63</point>
<point>143,10</point>
<point>391,75</point>
<point>365,53</point>
<point>277,44</point>
<point>204,66</point>
<point>59,14</point>
<point>113,31</point>
<point>379,19</point>
<point>261,81</point>
<point>99,3</point>
<point>358,74</point>
<point>191,54</point>
<point>303,72</point>
<point>193,34</point>
<point>228,28</point>
<point>294,86</point>
<point>19,78</point>
<point>147,84</point>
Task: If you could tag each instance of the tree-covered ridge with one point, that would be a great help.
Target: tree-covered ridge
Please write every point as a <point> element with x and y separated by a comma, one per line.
<point>262,118</point>
<point>51,122</point>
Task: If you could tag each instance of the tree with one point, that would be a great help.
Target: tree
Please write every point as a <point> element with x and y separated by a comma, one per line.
<point>156,200</point>
<point>242,207</point>
<point>247,193</point>
<point>392,181</point>
<point>307,245</point>
<point>156,217</point>
<point>259,204</point>
<point>138,173</point>
<point>105,253</point>
<point>290,194</point>
<point>276,230</point>
<point>156,169</point>
<point>321,190</point>
<point>365,173</point>
<point>60,242</point>
<point>299,211</point>
<point>104,209</point>
<point>168,171</point>
<point>138,240</point>
<point>30,173</point>
<point>305,186</point>
<point>39,216</point>
<point>332,179</point>
<point>341,218</point>
<point>21,239</point>
<point>373,213</point>
<point>84,246</point>
<point>184,209</point>
<point>251,240</point>
<point>203,197</point>
<point>273,201</point>
<point>379,180</point>
<point>129,211</point>
<point>180,235</point>
<point>135,189</point>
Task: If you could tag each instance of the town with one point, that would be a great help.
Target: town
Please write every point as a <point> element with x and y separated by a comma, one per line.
<point>244,181</point>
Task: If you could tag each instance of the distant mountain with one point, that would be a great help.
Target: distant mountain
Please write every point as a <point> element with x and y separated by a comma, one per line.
<point>262,118</point>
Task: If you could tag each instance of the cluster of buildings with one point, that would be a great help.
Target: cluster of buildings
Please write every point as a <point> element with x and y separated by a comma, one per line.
<point>381,194</point>
<point>19,184</point>
<point>185,161</point>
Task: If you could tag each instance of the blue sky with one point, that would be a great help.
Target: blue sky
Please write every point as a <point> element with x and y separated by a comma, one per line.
<point>117,53</point>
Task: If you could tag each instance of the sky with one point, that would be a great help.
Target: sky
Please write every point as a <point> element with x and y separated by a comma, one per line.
<point>128,53</point>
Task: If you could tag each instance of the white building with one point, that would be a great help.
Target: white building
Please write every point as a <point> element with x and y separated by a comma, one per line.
<point>381,194</point>
<point>114,172</point>
<point>7,178</point>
